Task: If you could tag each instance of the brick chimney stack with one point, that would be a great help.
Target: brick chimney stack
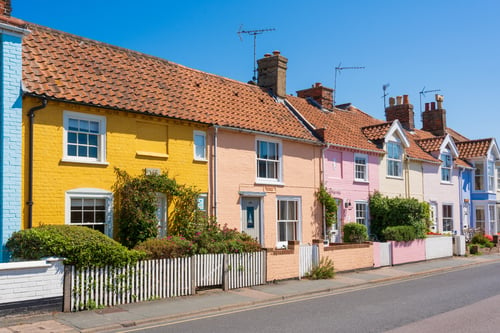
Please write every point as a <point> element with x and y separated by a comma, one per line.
<point>401,109</point>
<point>322,95</point>
<point>434,119</point>
<point>5,7</point>
<point>272,73</point>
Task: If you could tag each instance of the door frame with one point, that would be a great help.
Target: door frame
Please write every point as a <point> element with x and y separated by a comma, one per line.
<point>258,198</point>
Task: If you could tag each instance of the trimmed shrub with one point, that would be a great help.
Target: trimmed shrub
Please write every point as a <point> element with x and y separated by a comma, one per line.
<point>80,246</point>
<point>168,247</point>
<point>401,233</point>
<point>355,233</point>
<point>324,270</point>
<point>481,240</point>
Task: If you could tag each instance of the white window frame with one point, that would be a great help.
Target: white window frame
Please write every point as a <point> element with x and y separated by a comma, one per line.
<point>446,167</point>
<point>498,179</point>
<point>490,175</point>
<point>362,215</point>
<point>204,146</point>
<point>479,177</point>
<point>480,223</point>
<point>492,219</point>
<point>447,220</point>
<point>91,193</point>
<point>101,144</point>
<point>287,221</point>
<point>394,161</point>
<point>278,161</point>
<point>363,157</point>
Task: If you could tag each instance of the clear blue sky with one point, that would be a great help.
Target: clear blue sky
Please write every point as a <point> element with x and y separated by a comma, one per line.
<point>449,45</point>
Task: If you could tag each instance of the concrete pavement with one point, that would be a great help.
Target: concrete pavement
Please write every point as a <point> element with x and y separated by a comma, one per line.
<point>214,301</point>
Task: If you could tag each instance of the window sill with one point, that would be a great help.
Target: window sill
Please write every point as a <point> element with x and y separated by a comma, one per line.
<point>446,183</point>
<point>361,181</point>
<point>68,160</point>
<point>151,154</point>
<point>200,160</point>
<point>394,177</point>
<point>268,182</point>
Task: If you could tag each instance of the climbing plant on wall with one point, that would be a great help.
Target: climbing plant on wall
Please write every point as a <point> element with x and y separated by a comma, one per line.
<point>329,204</point>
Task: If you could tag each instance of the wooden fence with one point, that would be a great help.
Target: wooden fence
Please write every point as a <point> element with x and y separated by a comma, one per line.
<point>154,279</point>
<point>309,257</point>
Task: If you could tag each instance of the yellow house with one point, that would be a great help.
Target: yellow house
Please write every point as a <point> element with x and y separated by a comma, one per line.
<point>89,108</point>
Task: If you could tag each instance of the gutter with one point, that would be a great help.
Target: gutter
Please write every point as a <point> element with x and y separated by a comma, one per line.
<point>280,136</point>
<point>31,115</point>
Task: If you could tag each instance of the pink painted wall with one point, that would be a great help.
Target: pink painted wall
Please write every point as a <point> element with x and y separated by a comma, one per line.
<point>339,178</point>
<point>236,172</point>
<point>403,252</point>
<point>376,254</point>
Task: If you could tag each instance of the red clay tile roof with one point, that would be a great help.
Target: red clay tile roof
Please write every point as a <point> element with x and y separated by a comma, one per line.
<point>342,127</point>
<point>430,144</point>
<point>457,137</point>
<point>376,132</point>
<point>71,68</point>
<point>415,151</point>
<point>474,148</point>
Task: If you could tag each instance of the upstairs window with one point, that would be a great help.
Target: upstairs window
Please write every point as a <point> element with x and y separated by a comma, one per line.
<point>268,161</point>
<point>491,176</point>
<point>84,137</point>
<point>479,176</point>
<point>360,167</point>
<point>200,145</point>
<point>446,165</point>
<point>498,179</point>
<point>394,159</point>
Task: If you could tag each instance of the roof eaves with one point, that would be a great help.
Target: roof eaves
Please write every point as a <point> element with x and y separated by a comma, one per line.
<point>280,136</point>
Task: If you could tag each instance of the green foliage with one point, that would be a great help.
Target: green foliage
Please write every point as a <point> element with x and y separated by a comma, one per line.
<point>168,247</point>
<point>355,233</point>
<point>324,270</point>
<point>390,212</point>
<point>481,240</point>
<point>329,204</point>
<point>400,233</point>
<point>81,246</point>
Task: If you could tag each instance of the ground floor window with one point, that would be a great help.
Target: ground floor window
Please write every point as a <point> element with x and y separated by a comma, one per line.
<point>493,219</point>
<point>90,208</point>
<point>480,218</point>
<point>362,216</point>
<point>288,220</point>
<point>447,218</point>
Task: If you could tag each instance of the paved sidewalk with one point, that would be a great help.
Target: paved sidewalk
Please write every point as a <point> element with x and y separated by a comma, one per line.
<point>216,300</point>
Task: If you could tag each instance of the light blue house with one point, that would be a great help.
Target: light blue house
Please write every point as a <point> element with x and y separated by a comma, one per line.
<point>11,35</point>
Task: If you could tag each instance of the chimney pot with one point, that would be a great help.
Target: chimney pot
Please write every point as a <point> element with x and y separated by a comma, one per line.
<point>276,52</point>
<point>439,100</point>
<point>317,84</point>
<point>427,106</point>
<point>392,101</point>
<point>267,55</point>
<point>406,100</point>
<point>399,100</point>
<point>433,105</point>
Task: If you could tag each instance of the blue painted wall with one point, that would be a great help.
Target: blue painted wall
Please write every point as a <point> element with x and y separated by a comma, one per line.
<point>11,137</point>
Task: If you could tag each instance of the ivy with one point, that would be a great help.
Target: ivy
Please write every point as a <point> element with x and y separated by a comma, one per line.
<point>137,204</point>
<point>329,204</point>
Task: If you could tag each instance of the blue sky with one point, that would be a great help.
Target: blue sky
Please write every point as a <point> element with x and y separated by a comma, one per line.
<point>449,45</point>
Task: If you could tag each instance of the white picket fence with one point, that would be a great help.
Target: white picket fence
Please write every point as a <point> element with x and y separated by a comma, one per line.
<point>154,279</point>
<point>309,257</point>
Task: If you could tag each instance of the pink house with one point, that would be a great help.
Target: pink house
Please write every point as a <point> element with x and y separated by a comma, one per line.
<point>264,163</point>
<point>350,161</point>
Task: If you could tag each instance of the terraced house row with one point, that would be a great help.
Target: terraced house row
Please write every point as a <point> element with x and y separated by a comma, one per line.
<point>73,109</point>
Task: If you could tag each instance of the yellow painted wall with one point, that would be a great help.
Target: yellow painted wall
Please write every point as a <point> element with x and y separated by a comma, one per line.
<point>129,136</point>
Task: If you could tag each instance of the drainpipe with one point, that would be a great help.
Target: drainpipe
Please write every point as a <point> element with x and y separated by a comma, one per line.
<point>31,115</point>
<point>407,178</point>
<point>460,201</point>
<point>214,190</point>
<point>322,178</point>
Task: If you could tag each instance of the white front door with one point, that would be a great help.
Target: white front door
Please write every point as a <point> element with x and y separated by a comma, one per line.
<point>161,214</point>
<point>434,217</point>
<point>250,217</point>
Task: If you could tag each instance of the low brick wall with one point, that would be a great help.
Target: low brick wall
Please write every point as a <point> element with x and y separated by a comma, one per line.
<point>31,285</point>
<point>404,252</point>
<point>283,264</point>
<point>348,257</point>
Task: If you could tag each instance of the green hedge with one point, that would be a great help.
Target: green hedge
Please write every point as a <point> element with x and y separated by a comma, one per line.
<point>401,233</point>
<point>354,233</point>
<point>80,246</point>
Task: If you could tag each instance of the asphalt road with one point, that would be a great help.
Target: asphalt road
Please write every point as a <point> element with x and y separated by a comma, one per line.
<point>466,300</point>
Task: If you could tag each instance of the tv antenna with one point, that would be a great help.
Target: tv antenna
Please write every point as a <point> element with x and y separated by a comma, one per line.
<point>384,88</point>
<point>253,33</point>
<point>422,93</point>
<point>338,69</point>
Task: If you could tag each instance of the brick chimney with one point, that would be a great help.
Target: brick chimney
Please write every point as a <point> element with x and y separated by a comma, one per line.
<point>322,95</point>
<point>401,109</point>
<point>272,73</point>
<point>5,8</point>
<point>434,119</point>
